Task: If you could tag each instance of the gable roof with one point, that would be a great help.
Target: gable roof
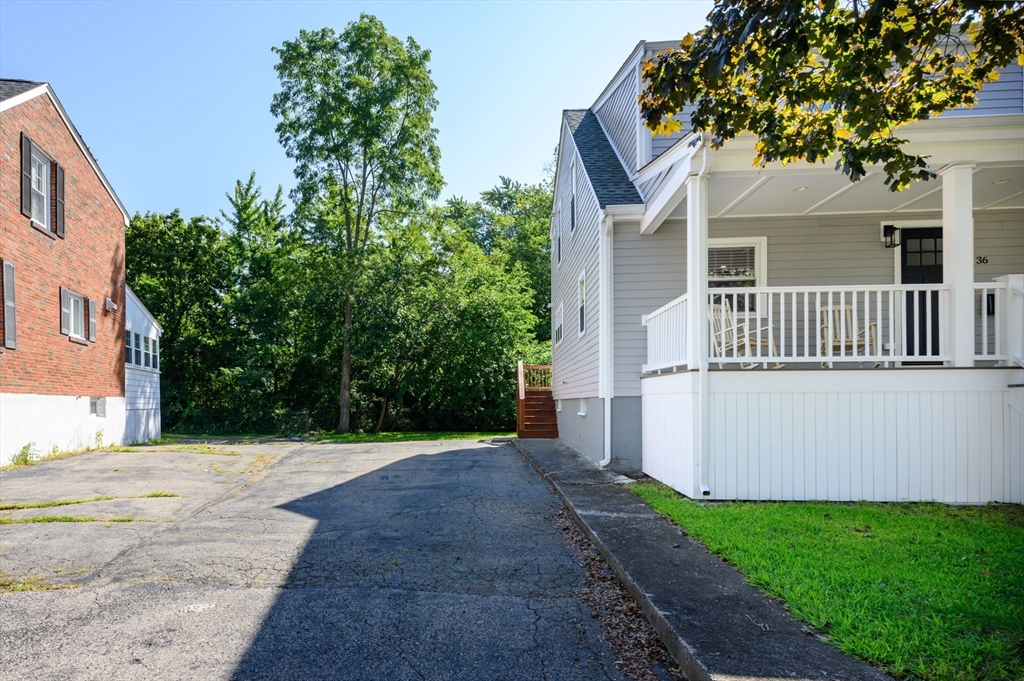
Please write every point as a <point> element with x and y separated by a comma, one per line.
<point>609,179</point>
<point>14,91</point>
<point>12,87</point>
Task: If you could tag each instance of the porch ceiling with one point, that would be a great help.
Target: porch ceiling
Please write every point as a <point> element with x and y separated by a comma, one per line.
<point>819,191</point>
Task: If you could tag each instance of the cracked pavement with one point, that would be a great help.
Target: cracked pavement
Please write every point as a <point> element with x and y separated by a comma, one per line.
<point>421,560</point>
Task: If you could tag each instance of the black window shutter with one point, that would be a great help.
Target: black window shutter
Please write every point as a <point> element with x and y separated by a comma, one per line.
<point>58,207</point>
<point>10,311</point>
<point>26,176</point>
<point>92,320</point>
<point>65,312</point>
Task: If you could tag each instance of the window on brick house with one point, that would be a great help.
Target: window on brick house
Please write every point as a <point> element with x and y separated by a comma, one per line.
<point>42,188</point>
<point>76,321</point>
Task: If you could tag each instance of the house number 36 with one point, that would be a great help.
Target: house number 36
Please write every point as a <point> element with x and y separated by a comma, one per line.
<point>981,260</point>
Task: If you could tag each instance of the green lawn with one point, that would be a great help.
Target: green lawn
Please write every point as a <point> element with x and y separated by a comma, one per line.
<point>924,591</point>
<point>407,437</point>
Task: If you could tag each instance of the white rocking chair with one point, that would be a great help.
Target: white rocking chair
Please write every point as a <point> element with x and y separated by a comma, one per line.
<point>730,338</point>
<point>837,335</point>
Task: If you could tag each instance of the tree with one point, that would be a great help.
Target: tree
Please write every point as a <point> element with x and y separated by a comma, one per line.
<point>182,270</point>
<point>261,306</point>
<point>514,219</point>
<point>817,78</point>
<point>356,114</point>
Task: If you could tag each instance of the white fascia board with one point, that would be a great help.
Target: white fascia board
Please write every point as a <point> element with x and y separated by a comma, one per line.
<point>632,60</point>
<point>145,310</point>
<point>626,211</point>
<point>23,97</point>
<point>682,148</point>
<point>673,191</point>
<point>45,88</point>
<point>558,168</point>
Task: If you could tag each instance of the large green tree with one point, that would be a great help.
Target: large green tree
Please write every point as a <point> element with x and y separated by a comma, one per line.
<point>815,79</point>
<point>182,270</point>
<point>355,112</point>
<point>513,219</point>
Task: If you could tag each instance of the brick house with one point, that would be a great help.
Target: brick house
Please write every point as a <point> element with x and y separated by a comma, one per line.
<point>62,243</point>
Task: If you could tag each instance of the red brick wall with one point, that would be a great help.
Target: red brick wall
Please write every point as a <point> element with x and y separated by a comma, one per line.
<point>89,261</point>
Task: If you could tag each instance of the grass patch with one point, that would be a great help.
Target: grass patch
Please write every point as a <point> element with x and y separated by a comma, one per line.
<point>72,519</point>
<point>49,504</point>
<point>158,494</point>
<point>204,449</point>
<point>405,437</point>
<point>47,519</point>
<point>10,584</point>
<point>924,591</point>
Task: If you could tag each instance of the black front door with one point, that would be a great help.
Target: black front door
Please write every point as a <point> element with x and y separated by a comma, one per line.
<point>921,263</point>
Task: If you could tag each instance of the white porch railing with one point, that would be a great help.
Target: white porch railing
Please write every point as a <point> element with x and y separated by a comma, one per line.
<point>876,324</point>
<point>666,335</point>
<point>990,302</point>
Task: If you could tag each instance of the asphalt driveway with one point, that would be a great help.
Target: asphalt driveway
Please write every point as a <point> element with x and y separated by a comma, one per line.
<point>428,560</point>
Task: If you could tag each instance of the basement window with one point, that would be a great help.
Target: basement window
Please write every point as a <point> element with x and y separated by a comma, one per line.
<point>558,405</point>
<point>583,407</point>
<point>98,407</point>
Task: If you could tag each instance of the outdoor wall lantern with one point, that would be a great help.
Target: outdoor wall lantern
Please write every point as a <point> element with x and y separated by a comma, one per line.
<point>891,236</point>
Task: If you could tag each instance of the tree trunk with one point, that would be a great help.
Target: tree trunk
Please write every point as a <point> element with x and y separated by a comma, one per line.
<point>345,393</point>
<point>380,419</point>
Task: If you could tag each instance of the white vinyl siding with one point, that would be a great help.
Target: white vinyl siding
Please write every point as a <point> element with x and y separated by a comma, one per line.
<point>575,359</point>
<point>620,117</point>
<point>141,374</point>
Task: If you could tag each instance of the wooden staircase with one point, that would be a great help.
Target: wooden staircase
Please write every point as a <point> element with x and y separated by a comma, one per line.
<point>535,407</point>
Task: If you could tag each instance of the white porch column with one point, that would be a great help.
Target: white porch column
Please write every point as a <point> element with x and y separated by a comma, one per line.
<point>697,321</point>
<point>958,258</point>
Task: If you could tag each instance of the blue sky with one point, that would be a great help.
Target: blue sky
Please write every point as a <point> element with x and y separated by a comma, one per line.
<point>174,98</point>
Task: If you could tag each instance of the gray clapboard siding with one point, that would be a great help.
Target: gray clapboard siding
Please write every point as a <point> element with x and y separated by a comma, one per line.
<point>649,272</point>
<point>1004,96</point>
<point>575,360</point>
<point>810,251</point>
<point>620,116</point>
<point>661,143</point>
<point>649,187</point>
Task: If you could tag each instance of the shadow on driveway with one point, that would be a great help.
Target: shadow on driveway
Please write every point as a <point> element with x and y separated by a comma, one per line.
<point>439,566</point>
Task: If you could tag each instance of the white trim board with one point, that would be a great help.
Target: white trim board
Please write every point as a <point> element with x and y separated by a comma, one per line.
<point>47,90</point>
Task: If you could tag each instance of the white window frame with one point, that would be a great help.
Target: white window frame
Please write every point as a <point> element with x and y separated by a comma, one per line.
<point>572,199</point>
<point>581,303</point>
<point>558,334</point>
<point>583,407</point>
<point>558,234</point>
<point>760,246</point>
<point>558,405</point>
<point>76,321</point>
<point>130,352</point>
<point>44,162</point>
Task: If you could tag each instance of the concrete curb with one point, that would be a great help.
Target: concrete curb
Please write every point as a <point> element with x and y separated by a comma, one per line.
<point>715,625</point>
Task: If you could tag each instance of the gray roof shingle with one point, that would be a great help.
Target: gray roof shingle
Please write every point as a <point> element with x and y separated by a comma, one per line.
<point>608,177</point>
<point>12,87</point>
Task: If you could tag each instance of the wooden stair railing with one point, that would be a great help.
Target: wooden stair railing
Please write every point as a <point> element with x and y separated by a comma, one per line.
<point>535,407</point>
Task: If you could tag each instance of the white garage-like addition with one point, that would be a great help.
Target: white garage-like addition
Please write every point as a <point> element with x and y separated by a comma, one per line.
<point>141,372</point>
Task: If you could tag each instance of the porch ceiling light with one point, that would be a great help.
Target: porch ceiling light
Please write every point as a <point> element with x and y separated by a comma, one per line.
<point>1002,180</point>
<point>800,188</point>
<point>891,236</point>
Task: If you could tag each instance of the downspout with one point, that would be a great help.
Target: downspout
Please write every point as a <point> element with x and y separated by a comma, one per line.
<point>605,354</point>
<point>702,361</point>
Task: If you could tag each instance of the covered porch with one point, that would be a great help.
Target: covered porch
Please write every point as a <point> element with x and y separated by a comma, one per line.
<point>910,387</point>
